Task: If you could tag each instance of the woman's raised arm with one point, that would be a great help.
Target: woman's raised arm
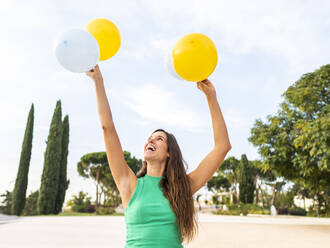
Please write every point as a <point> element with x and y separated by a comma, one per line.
<point>122,174</point>
<point>214,159</point>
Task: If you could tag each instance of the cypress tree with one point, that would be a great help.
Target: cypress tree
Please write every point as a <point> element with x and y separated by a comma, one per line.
<point>19,193</point>
<point>63,182</point>
<point>31,204</point>
<point>52,163</point>
<point>246,181</point>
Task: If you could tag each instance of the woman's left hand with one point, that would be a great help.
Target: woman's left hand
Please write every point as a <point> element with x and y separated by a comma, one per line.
<point>207,87</point>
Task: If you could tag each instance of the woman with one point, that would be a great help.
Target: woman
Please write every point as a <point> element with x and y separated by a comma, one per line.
<point>158,200</point>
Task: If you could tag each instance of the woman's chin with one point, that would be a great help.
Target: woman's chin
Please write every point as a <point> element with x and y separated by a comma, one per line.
<point>148,156</point>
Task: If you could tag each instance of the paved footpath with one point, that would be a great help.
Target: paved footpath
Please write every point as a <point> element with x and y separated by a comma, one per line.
<point>214,231</point>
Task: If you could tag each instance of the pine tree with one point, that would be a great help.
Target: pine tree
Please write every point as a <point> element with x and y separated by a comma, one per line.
<point>246,181</point>
<point>19,193</point>
<point>52,163</point>
<point>63,182</point>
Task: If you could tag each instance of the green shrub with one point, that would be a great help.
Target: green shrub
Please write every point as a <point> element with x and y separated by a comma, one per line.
<point>90,209</point>
<point>80,203</point>
<point>284,211</point>
<point>245,209</point>
<point>228,212</point>
<point>30,207</point>
<point>312,213</point>
<point>105,211</point>
<point>5,205</point>
<point>78,208</point>
<point>285,200</point>
<point>297,211</point>
<point>251,209</point>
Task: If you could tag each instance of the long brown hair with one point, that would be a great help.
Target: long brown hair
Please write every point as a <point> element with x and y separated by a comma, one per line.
<point>177,189</point>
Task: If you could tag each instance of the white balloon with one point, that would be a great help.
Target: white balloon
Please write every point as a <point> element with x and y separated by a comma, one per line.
<point>77,50</point>
<point>168,61</point>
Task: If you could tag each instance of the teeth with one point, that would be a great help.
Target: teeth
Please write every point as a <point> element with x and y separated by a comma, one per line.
<point>151,147</point>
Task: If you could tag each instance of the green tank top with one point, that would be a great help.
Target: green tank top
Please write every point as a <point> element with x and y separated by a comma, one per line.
<point>150,221</point>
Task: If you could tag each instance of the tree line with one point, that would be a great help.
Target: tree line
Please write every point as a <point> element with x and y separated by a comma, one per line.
<point>293,145</point>
<point>293,148</point>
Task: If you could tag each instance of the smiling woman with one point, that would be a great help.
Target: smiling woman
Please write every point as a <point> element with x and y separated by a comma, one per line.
<point>169,198</point>
<point>158,200</point>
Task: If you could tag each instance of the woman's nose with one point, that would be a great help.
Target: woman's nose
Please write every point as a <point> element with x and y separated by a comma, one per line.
<point>150,142</point>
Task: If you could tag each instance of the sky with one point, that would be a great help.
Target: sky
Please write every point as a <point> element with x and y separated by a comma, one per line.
<point>263,48</point>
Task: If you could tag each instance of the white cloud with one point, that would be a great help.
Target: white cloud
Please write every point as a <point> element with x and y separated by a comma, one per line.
<point>236,119</point>
<point>291,29</point>
<point>157,45</point>
<point>154,103</point>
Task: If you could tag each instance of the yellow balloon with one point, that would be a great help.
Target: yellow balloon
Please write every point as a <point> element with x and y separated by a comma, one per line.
<point>107,35</point>
<point>194,57</point>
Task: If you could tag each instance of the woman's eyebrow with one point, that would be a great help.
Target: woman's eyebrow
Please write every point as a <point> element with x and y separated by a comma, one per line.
<point>157,136</point>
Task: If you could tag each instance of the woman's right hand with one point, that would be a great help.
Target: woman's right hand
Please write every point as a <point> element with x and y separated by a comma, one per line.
<point>95,74</point>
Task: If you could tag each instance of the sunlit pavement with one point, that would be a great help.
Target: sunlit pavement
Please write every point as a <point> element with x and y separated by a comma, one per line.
<point>214,231</point>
